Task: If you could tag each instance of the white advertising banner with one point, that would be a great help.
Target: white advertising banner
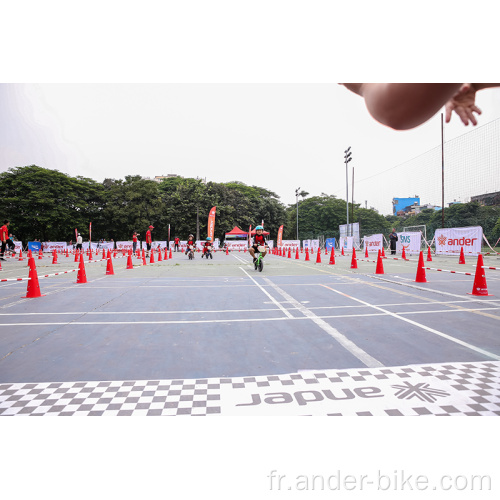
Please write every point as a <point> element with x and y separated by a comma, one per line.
<point>346,243</point>
<point>215,245</point>
<point>18,245</point>
<point>85,246</point>
<point>58,246</point>
<point>126,245</point>
<point>292,244</point>
<point>374,243</point>
<point>451,240</point>
<point>312,245</point>
<point>108,245</point>
<point>158,244</point>
<point>353,230</point>
<point>235,246</point>
<point>411,242</point>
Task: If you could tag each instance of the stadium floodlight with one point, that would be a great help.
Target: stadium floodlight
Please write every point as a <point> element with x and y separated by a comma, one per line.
<point>347,159</point>
<point>297,201</point>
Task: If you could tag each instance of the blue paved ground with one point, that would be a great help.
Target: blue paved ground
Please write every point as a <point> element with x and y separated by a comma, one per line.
<point>181,319</point>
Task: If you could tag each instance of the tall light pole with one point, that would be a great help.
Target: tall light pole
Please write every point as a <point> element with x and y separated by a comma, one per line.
<point>347,159</point>
<point>297,200</point>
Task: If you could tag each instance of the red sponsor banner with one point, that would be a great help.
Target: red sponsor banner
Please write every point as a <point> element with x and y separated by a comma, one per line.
<point>211,223</point>
<point>280,236</point>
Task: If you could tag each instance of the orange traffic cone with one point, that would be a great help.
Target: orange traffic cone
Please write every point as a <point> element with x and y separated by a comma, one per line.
<point>420,278</point>
<point>227,250</point>
<point>354,260</point>
<point>289,252</point>
<point>152,258</point>
<point>90,254</point>
<point>67,252</point>
<point>332,257</point>
<point>380,265</point>
<point>159,255</point>
<point>77,255</point>
<point>318,257</point>
<point>170,254</point>
<point>166,254</point>
<point>33,289</point>
<point>103,254</point>
<point>429,256</point>
<point>366,252</point>
<point>403,256</point>
<point>326,250</point>
<point>21,254</point>
<point>461,259</point>
<point>342,251</point>
<point>40,254</point>
<point>109,267</point>
<point>307,254</point>
<point>129,261</point>
<point>383,252</point>
<point>144,263</point>
<point>480,287</point>
<point>54,257</point>
<point>82,277</point>
<point>297,254</point>
<point>1,265</point>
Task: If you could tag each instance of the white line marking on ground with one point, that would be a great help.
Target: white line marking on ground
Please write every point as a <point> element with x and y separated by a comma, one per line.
<point>241,260</point>
<point>274,301</point>
<point>419,325</point>
<point>350,346</point>
<point>137,312</point>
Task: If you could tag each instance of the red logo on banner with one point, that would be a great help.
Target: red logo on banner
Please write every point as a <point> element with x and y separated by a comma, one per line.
<point>442,239</point>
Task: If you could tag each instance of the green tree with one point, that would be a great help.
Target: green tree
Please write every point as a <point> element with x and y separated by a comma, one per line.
<point>318,215</point>
<point>47,204</point>
<point>132,204</point>
<point>371,222</point>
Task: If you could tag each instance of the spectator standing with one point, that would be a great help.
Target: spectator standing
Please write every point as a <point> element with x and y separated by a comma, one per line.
<point>79,242</point>
<point>393,237</point>
<point>4,236</point>
<point>134,241</point>
<point>149,240</point>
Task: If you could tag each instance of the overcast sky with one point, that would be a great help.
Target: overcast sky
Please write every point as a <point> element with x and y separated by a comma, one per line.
<point>289,133</point>
<point>278,136</point>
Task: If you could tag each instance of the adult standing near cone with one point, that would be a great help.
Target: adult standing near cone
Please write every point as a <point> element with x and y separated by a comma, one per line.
<point>393,237</point>
<point>149,240</point>
<point>4,236</point>
<point>79,242</point>
<point>134,241</point>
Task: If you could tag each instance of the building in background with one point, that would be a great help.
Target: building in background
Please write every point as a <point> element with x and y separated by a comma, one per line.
<point>490,199</point>
<point>401,206</point>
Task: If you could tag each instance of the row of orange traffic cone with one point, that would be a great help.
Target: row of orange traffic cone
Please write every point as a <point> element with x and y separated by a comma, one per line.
<point>479,287</point>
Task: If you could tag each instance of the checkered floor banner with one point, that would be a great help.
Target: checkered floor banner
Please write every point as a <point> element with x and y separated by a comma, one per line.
<point>415,390</point>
